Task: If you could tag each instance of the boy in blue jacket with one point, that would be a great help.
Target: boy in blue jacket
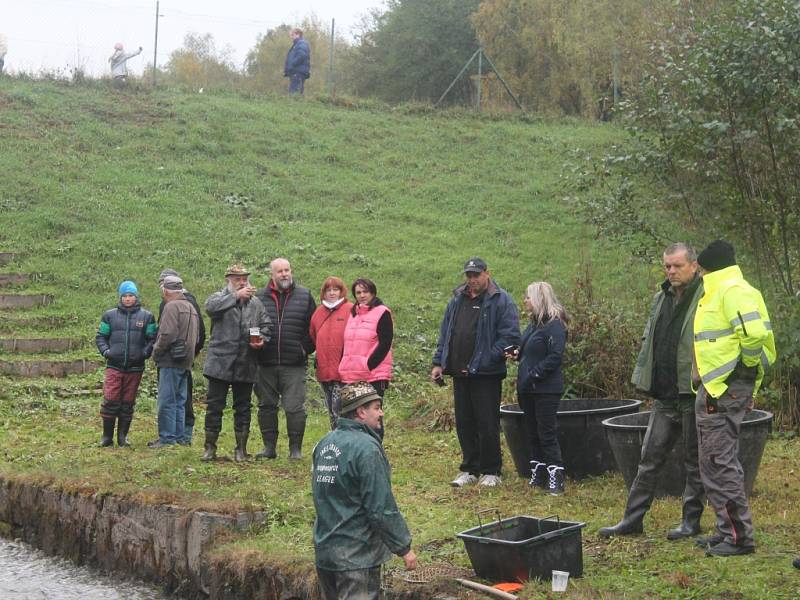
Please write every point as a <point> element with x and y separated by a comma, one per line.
<point>125,338</point>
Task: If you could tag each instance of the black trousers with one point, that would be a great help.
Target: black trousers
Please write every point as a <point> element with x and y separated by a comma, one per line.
<point>217,395</point>
<point>542,425</point>
<point>477,408</point>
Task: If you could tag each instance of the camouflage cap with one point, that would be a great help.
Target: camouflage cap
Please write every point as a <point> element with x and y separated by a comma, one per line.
<point>354,395</point>
<point>236,270</point>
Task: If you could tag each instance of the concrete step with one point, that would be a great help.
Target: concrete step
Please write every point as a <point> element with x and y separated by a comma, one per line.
<point>36,345</point>
<point>15,301</point>
<point>7,257</point>
<point>48,368</point>
<point>12,324</point>
<point>9,279</point>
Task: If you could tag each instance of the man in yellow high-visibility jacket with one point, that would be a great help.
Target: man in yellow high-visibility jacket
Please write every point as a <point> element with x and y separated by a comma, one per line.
<point>733,346</point>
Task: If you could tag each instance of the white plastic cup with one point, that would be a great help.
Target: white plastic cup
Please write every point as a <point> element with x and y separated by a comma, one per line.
<point>560,580</point>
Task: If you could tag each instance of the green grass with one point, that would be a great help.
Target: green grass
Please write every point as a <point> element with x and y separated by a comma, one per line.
<point>99,186</point>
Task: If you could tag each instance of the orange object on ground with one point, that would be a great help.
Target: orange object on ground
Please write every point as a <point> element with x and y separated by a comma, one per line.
<point>508,587</point>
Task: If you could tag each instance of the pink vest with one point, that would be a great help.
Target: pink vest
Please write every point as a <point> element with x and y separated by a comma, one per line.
<point>360,341</point>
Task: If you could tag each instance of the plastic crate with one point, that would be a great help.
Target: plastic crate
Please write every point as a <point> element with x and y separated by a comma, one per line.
<point>521,547</point>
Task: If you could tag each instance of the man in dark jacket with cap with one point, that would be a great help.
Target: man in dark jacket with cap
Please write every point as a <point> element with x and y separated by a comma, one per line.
<point>664,371</point>
<point>188,425</point>
<point>481,322</point>
<point>733,346</point>
<point>239,327</point>
<point>282,363</point>
<point>358,525</point>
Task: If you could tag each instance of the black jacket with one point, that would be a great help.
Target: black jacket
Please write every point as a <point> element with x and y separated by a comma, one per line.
<point>126,336</point>
<point>290,313</point>
<point>540,354</point>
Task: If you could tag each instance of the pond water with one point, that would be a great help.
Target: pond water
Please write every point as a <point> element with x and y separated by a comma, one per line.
<point>28,574</point>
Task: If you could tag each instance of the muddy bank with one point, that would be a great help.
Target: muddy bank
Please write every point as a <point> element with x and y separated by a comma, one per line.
<point>163,544</point>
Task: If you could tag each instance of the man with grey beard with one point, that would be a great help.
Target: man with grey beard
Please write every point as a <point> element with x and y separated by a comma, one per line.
<point>282,364</point>
<point>239,327</point>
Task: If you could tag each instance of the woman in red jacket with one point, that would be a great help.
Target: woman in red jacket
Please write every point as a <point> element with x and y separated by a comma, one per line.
<point>368,340</point>
<point>327,332</point>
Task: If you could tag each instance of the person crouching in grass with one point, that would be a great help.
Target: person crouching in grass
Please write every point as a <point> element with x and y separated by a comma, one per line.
<point>125,338</point>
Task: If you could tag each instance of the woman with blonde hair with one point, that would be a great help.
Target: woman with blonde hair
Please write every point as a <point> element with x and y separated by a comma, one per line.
<point>540,383</point>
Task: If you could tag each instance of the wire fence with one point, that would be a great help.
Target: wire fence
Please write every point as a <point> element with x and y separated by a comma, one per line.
<point>60,37</point>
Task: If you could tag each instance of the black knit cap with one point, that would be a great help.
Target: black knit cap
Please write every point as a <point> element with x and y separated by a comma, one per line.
<point>719,254</point>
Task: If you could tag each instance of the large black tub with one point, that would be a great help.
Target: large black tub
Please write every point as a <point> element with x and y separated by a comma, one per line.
<point>584,447</point>
<point>626,435</point>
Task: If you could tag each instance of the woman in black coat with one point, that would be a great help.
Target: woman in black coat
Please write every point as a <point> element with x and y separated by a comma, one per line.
<point>540,383</point>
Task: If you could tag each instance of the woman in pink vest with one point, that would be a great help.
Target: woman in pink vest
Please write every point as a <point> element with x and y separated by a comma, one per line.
<point>327,332</point>
<point>368,340</point>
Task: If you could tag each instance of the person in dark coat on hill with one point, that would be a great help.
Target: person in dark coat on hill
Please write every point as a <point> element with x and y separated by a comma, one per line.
<point>125,338</point>
<point>239,327</point>
<point>298,63</point>
<point>188,428</point>
<point>282,364</point>
<point>540,383</point>
<point>327,334</point>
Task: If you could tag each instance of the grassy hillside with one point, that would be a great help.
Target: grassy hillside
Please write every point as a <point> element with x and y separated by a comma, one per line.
<point>98,186</point>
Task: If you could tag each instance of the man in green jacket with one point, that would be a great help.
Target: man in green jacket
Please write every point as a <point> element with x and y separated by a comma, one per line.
<point>358,525</point>
<point>664,371</point>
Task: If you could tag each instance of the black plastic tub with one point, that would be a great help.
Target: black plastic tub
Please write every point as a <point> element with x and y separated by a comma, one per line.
<point>584,447</point>
<point>626,434</point>
<point>521,548</point>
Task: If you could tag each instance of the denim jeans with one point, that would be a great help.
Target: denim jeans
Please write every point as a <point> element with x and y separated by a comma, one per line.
<point>296,84</point>
<point>172,387</point>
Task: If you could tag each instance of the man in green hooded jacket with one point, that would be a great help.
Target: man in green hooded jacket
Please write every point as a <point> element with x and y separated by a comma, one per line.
<point>358,525</point>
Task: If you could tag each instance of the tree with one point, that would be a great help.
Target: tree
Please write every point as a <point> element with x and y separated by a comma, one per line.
<point>200,64</point>
<point>413,50</point>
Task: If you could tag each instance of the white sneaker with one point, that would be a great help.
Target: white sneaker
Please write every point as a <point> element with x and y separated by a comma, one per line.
<point>490,480</point>
<point>464,479</point>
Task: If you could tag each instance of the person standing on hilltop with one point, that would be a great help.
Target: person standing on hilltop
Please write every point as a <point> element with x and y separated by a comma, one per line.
<point>119,67</point>
<point>298,63</point>
<point>480,324</point>
<point>125,338</point>
<point>3,50</point>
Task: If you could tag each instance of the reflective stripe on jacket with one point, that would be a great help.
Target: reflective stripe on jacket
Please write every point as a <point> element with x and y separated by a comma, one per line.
<point>731,325</point>
<point>360,341</point>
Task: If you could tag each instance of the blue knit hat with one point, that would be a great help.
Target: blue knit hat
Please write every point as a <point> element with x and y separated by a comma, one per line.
<point>128,287</point>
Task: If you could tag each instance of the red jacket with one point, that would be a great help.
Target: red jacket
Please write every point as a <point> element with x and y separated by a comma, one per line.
<point>327,333</point>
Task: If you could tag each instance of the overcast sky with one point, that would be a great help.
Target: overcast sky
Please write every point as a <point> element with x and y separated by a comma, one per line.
<point>57,35</point>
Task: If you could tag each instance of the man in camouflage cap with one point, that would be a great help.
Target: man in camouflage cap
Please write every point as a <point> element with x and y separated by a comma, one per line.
<point>230,362</point>
<point>358,525</point>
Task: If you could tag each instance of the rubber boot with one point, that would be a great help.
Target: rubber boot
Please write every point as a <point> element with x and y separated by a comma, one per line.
<point>108,432</point>
<point>123,427</point>
<point>538,474</point>
<point>240,454</point>
<point>295,429</point>
<point>211,446</point>
<point>639,500</point>
<point>268,424</point>
<point>690,524</point>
